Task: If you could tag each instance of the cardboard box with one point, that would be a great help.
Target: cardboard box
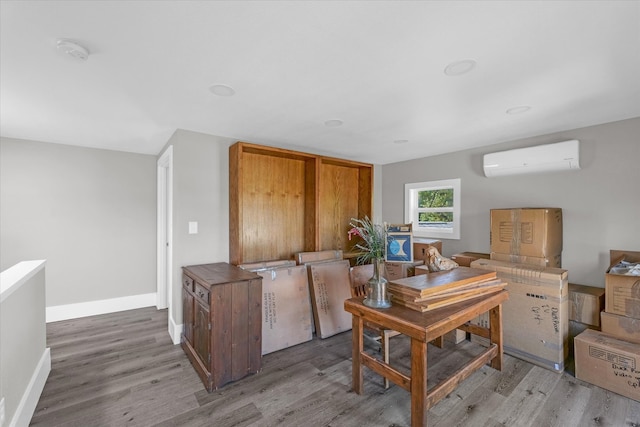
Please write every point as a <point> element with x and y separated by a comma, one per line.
<point>608,362</point>
<point>622,327</point>
<point>399,246</point>
<point>623,292</point>
<point>318,256</point>
<point>456,336</point>
<point>420,246</point>
<point>531,232</point>
<point>399,270</point>
<point>535,318</point>
<point>262,265</point>
<point>286,307</point>
<point>553,261</point>
<point>585,304</point>
<point>330,286</point>
<point>464,259</point>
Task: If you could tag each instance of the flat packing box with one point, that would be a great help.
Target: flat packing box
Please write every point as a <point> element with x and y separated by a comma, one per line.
<point>623,327</point>
<point>318,256</point>
<point>585,304</point>
<point>464,259</point>
<point>608,362</point>
<point>535,318</point>
<point>330,286</point>
<point>286,307</point>
<point>623,292</point>
<point>529,232</point>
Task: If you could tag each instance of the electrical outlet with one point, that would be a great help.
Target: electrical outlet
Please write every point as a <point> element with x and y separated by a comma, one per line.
<point>2,416</point>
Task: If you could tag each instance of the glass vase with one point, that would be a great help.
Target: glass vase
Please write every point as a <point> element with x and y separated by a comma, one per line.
<point>377,296</point>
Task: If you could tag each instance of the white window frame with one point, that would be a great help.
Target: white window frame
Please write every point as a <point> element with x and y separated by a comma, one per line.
<point>411,209</point>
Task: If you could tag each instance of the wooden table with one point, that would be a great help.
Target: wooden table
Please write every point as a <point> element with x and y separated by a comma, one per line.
<point>423,328</point>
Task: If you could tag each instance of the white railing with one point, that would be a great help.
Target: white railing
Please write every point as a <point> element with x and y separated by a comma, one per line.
<point>25,360</point>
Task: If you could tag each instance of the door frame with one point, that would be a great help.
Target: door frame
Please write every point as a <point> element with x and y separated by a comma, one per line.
<point>164,281</point>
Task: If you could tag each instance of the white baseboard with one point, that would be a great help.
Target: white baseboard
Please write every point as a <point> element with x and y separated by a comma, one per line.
<point>92,308</point>
<point>29,401</point>
<point>174,330</point>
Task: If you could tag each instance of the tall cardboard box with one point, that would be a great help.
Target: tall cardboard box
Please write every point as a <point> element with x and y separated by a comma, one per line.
<point>535,318</point>
<point>585,304</point>
<point>622,327</point>
<point>528,232</point>
<point>608,362</point>
<point>623,292</point>
<point>552,261</point>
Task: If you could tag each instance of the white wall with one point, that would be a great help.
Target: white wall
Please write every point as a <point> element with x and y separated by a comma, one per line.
<point>600,202</point>
<point>200,193</point>
<point>91,213</point>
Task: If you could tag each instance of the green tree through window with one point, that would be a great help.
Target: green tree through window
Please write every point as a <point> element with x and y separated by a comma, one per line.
<point>434,208</point>
<point>442,198</point>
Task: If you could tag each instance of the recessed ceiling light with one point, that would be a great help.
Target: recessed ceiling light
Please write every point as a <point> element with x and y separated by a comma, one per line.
<point>400,141</point>
<point>459,68</point>
<point>333,123</point>
<point>518,110</point>
<point>73,49</point>
<point>222,90</point>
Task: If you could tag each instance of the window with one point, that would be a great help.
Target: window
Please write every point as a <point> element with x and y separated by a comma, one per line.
<point>434,208</point>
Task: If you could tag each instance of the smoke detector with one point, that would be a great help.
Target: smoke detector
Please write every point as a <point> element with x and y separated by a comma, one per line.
<point>73,49</point>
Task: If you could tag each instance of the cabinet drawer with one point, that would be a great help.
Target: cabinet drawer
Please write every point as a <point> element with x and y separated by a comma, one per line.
<point>187,282</point>
<point>202,293</point>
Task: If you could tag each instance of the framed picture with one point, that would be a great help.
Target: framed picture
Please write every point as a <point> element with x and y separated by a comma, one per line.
<point>399,245</point>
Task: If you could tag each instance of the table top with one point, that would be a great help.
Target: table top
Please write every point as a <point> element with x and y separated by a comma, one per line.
<point>428,325</point>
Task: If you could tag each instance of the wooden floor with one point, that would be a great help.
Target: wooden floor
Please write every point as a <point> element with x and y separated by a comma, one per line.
<point>122,370</point>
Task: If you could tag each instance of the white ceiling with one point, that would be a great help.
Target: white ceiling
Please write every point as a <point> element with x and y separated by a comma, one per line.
<point>378,66</point>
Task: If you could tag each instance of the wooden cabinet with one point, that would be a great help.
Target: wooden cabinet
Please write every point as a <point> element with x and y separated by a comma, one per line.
<point>222,336</point>
<point>282,202</point>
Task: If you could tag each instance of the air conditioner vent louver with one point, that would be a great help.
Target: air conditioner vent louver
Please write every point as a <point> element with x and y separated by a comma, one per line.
<point>542,158</point>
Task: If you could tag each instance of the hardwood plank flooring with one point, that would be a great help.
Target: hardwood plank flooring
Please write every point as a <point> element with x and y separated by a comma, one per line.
<point>121,369</point>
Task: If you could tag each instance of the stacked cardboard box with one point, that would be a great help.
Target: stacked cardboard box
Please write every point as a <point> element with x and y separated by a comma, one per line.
<point>464,259</point>
<point>531,236</point>
<point>535,318</point>
<point>611,359</point>
<point>399,270</point>
<point>608,362</point>
<point>621,318</point>
<point>585,304</point>
<point>421,245</point>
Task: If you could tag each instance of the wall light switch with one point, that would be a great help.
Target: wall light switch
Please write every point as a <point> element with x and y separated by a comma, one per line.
<point>193,227</point>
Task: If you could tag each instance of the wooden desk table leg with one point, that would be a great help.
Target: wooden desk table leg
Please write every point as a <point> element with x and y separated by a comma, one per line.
<point>495,327</point>
<point>418,383</point>
<point>357,348</point>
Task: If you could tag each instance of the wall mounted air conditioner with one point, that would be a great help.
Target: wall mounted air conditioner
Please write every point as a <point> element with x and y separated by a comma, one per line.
<point>542,158</point>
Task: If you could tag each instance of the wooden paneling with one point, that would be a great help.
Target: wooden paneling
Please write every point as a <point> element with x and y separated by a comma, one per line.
<point>273,200</point>
<point>339,201</point>
<point>283,202</point>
